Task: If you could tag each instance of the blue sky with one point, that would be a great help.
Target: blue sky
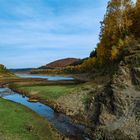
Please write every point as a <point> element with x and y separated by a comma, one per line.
<point>35,32</point>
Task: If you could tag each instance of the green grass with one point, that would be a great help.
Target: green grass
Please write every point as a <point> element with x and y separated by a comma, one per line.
<point>19,123</point>
<point>49,92</point>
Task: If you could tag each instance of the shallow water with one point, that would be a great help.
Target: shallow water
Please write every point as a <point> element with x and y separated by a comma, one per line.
<point>5,92</point>
<point>60,121</point>
<point>56,78</point>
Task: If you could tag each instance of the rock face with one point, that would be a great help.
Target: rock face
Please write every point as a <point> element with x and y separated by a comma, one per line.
<point>73,104</point>
<point>115,111</point>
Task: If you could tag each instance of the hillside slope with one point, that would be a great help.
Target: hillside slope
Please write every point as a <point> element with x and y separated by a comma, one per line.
<point>60,63</point>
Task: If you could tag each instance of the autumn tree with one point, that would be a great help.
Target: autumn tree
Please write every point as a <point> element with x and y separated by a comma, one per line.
<point>115,26</point>
<point>93,53</point>
<point>135,15</point>
<point>88,65</point>
<point>120,30</point>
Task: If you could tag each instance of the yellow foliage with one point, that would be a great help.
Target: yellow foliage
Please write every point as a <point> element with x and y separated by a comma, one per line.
<point>103,54</point>
<point>114,53</point>
<point>88,64</point>
<point>120,44</point>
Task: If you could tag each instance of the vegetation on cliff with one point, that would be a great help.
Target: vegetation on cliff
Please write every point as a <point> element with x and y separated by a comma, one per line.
<point>119,32</point>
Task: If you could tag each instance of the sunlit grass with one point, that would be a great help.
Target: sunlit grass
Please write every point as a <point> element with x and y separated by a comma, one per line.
<point>49,92</point>
<point>19,123</point>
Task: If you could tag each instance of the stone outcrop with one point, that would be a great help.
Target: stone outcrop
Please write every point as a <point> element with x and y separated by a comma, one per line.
<point>116,109</point>
<point>73,104</point>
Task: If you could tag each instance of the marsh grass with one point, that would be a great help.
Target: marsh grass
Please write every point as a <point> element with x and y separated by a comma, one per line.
<point>49,92</point>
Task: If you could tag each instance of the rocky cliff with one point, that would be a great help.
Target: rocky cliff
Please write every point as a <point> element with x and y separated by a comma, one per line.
<point>112,110</point>
<point>116,109</point>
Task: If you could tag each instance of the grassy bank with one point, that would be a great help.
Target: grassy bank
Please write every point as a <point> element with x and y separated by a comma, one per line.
<point>20,123</point>
<point>51,92</point>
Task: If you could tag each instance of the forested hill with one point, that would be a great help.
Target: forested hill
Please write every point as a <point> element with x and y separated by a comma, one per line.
<point>60,63</point>
<point>21,70</point>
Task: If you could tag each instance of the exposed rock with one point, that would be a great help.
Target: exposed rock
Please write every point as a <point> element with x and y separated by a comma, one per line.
<point>72,104</point>
<point>116,109</point>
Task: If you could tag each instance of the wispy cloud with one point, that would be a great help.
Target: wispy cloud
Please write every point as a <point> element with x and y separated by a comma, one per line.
<point>39,31</point>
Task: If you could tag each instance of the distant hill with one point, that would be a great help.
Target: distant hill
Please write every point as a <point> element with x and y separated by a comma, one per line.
<point>21,70</point>
<point>60,63</point>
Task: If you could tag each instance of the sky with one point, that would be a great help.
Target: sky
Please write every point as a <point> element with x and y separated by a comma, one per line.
<point>36,32</point>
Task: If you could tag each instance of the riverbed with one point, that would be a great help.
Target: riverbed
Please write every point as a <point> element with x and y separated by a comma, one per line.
<point>61,122</point>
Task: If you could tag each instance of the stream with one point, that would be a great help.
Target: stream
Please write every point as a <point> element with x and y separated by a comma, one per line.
<point>55,78</point>
<point>61,122</point>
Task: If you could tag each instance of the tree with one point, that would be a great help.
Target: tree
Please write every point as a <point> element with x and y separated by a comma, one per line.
<point>115,26</point>
<point>93,53</point>
<point>116,22</point>
<point>88,64</point>
<point>135,15</point>
<point>114,53</point>
<point>2,69</point>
